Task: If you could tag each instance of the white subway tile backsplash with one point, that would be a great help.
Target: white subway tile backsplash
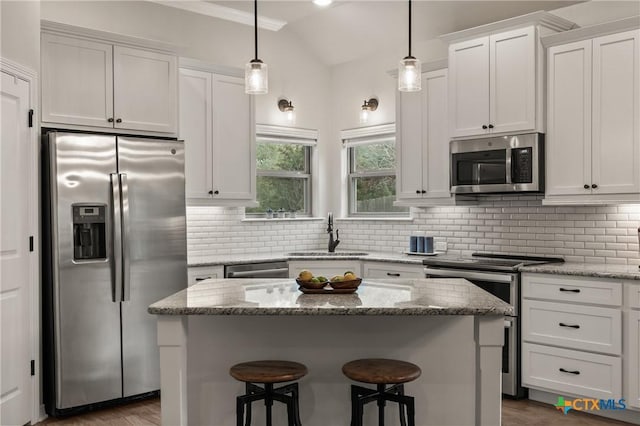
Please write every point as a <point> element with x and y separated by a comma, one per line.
<point>518,224</point>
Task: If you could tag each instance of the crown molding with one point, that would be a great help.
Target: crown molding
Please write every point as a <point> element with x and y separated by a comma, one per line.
<point>195,64</point>
<point>584,33</point>
<point>362,132</point>
<point>542,18</point>
<point>223,12</point>
<point>287,132</point>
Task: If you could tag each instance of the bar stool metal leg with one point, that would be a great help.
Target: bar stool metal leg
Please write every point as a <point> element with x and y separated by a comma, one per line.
<point>268,401</point>
<point>411,412</point>
<point>381,404</point>
<point>239,411</point>
<point>400,391</point>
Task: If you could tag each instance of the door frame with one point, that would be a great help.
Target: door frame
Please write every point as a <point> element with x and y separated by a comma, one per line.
<point>31,77</point>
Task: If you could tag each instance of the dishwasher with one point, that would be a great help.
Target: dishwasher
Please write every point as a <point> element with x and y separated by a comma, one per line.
<point>257,270</point>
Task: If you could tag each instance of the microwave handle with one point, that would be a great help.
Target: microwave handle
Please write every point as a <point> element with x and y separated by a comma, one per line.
<point>508,166</point>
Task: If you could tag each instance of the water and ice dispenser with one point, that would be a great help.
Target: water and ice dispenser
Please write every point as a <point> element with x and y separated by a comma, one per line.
<point>89,232</point>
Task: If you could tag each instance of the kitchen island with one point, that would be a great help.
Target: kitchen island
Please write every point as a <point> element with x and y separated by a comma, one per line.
<point>450,328</point>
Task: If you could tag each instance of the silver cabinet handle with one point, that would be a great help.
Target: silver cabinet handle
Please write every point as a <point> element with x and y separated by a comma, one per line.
<point>116,237</point>
<point>126,251</point>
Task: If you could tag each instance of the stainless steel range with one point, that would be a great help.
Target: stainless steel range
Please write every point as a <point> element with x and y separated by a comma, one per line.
<point>497,274</point>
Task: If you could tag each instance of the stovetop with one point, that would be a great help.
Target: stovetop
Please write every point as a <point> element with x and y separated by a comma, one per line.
<point>489,262</point>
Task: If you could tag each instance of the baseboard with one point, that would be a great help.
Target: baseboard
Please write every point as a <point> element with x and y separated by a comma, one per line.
<point>629,415</point>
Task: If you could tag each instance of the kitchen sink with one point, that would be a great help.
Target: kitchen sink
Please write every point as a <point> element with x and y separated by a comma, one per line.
<point>326,253</point>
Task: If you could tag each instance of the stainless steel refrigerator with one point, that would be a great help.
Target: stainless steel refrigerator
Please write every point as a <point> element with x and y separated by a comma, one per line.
<point>114,242</point>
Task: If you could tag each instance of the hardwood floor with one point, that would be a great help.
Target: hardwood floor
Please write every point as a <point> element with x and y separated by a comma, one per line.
<point>514,413</point>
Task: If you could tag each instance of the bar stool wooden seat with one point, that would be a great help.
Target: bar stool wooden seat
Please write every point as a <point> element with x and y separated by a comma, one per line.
<point>267,373</point>
<point>382,373</point>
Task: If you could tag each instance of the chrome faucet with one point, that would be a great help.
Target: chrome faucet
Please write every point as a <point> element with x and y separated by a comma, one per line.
<point>332,244</point>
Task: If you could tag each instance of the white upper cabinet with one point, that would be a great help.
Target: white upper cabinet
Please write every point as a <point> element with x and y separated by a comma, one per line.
<point>593,138</point>
<point>496,76</point>
<point>422,144</point>
<point>493,84</point>
<point>77,81</point>
<point>144,90</point>
<point>111,83</point>
<point>217,124</point>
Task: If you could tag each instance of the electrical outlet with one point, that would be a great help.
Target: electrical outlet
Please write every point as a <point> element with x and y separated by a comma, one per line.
<point>440,246</point>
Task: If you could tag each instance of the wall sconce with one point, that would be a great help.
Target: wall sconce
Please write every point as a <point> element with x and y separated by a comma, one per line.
<point>286,106</point>
<point>367,107</point>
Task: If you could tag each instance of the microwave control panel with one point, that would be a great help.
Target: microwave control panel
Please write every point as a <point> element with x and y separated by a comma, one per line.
<point>521,165</point>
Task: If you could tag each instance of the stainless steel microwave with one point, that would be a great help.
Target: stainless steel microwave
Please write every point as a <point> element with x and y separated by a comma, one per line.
<point>501,164</point>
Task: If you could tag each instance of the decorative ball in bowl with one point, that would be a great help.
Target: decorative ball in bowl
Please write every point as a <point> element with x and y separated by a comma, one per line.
<point>311,284</point>
<point>345,284</point>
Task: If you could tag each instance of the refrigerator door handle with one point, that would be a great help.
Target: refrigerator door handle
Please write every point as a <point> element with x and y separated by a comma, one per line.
<point>116,235</point>
<point>126,252</point>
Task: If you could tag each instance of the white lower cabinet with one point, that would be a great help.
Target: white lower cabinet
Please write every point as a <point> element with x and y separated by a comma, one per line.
<point>632,345</point>
<point>201,273</point>
<point>572,336</point>
<point>326,268</point>
<point>391,270</point>
<point>574,372</point>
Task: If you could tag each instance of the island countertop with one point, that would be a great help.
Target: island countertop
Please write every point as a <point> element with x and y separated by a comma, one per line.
<point>425,296</point>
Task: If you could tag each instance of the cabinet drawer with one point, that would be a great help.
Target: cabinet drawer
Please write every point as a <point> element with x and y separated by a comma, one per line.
<point>632,297</point>
<point>572,289</point>
<point>391,270</point>
<point>574,372</point>
<point>572,326</point>
<point>200,273</point>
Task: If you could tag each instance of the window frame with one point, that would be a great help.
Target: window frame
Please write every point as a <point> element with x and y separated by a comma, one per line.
<point>293,136</point>
<point>352,139</point>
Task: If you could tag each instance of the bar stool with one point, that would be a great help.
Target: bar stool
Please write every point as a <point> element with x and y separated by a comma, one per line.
<point>267,373</point>
<point>382,373</point>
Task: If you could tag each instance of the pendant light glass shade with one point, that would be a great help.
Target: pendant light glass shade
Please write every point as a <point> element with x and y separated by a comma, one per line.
<point>410,69</point>
<point>256,80</point>
<point>255,72</point>
<point>409,75</point>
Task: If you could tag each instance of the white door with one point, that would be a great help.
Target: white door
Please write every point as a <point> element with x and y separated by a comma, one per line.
<point>436,135</point>
<point>512,81</point>
<point>15,333</point>
<point>233,140</point>
<point>616,113</point>
<point>77,81</point>
<point>469,87</point>
<point>195,130</point>
<point>409,142</point>
<point>145,90</point>
<point>568,144</point>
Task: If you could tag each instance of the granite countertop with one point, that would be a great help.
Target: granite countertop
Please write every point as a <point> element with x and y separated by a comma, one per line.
<point>600,270</point>
<point>233,259</point>
<point>434,296</point>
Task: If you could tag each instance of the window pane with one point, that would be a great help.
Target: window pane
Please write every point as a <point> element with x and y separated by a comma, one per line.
<point>280,192</point>
<point>280,156</point>
<point>376,194</point>
<point>379,156</point>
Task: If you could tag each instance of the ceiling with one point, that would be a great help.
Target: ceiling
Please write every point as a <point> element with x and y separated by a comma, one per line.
<point>348,30</point>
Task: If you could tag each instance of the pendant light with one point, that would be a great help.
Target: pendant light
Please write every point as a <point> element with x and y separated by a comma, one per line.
<point>255,72</point>
<point>409,71</point>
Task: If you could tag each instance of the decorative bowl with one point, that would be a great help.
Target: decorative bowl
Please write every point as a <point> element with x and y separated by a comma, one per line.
<point>345,284</point>
<point>310,284</point>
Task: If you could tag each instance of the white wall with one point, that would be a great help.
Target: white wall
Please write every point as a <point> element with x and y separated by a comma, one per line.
<point>20,32</point>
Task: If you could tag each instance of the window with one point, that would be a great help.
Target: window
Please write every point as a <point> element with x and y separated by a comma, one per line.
<point>283,174</point>
<point>371,164</point>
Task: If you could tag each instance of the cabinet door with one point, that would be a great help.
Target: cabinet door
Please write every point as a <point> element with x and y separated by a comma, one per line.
<point>195,130</point>
<point>616,113</point>
<point>145,90</point>
<point>77,81</point>
<point>435,135</point>
<point>568,144</point>
<point>512,80</point>
<point>409,141</point>
<point>234,143</point>
<point>469,87</point>
<point>633,358</point>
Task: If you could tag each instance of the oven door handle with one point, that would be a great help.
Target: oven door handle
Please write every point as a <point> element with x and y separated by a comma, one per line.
<point>472,275</point>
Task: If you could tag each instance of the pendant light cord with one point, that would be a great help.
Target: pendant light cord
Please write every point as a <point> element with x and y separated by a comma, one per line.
<point>409,28</point>
<point>255,25</point>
